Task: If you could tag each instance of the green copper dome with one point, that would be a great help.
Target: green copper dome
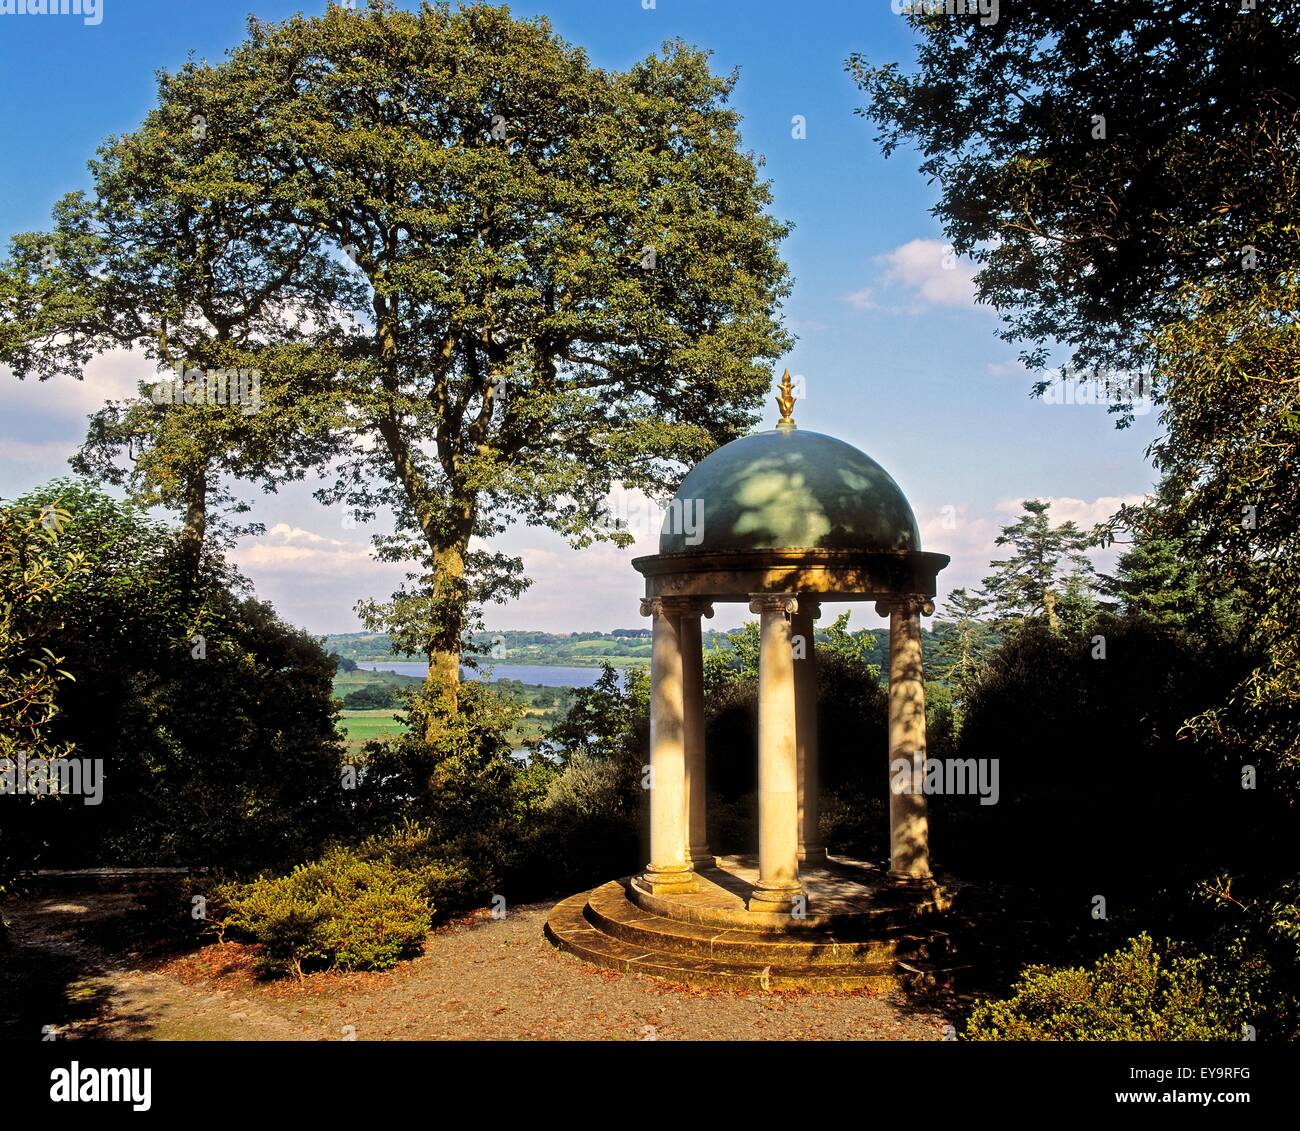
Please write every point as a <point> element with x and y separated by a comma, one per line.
<point>788,490</point>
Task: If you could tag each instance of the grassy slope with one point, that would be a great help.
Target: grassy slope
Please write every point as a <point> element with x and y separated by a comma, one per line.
<point>361,726</point>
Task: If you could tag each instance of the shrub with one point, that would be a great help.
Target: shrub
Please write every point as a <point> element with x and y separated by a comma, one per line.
<point>587,786</point>
<point>339,912</point>
<point>564,850</point>
<point>581,826</point>
<point>1129,995</point>
<point>1255,953</point>
<point>1076,718</point>
<point>733,824</point>
<point>215,720</point>
<point>447,883</point>
<point>450,771</point>
<point>370,697</point>
<point>855,822</point>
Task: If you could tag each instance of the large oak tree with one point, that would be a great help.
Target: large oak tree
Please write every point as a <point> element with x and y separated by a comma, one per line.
<point>559,277</point>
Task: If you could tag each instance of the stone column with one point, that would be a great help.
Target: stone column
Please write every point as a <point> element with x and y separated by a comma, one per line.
<point>802,625</point>
<point>670,868</point>
<point>909,827</point>
<point>697,807</point>
<point>778,770</point>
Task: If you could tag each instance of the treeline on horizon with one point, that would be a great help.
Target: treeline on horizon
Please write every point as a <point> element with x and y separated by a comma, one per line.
<point>621,647</point>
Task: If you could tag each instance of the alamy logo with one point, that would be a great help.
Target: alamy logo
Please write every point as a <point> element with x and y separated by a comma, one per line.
<point>90,11</point>
<point>64,777</point>
<point>1097,388</point>
<point>987,10</point>
<point>633,514</point>
<point>102,1085</point>
<point>951,776</point>
<point>241,387</point>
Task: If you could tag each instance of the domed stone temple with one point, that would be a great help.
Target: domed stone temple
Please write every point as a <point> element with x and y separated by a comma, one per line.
<point>781,521</point>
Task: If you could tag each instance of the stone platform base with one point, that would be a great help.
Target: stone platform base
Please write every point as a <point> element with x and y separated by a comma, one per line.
<point>859,929</point>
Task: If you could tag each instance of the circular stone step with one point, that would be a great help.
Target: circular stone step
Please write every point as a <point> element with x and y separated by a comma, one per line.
<point>709,907</point>
<point>572,927</point>
<point>611,912</point>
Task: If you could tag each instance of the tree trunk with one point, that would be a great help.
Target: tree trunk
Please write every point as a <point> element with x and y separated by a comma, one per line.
<point>196,523</point>
<point>1049,605</point>
<point>443,681</point>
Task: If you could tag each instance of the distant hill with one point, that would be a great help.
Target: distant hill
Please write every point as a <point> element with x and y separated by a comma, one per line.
<point>623,648</point>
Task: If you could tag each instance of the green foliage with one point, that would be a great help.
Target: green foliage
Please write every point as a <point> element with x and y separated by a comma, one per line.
<point>852,713</point>
<point>520,278</point>
<point>1063,724</point>
<point>344,911</point>
<point>359,906</point>
<point>371,697</point>
<point>34,578</point>
<point>1083,237</point>
<point>214,720</point>
<point>961,642</point>
<point>584,829</point>
<point>1157,578</point>
<point>1135,994</point>
<point>1256,950</point>
<point>462,784</point>
<point>732,658</point>
<point>448,884</point>
<point>602,720</point>
<point>1046,575</point>
<point>587,767</point>
<point>1231,458</point>
<point>862,647</point>
<point>854,820</point>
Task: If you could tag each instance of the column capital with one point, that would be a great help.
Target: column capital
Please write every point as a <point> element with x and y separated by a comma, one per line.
<point>687,606</point>
<point>676,607</point>
<point>786,603</point>
<point>810,606</point>
<point>906,603</point>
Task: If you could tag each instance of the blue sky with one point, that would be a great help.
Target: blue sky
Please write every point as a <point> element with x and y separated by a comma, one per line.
<point>896,358</point>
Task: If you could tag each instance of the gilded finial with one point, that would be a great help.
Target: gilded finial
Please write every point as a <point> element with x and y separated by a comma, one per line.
<point>785,402</point>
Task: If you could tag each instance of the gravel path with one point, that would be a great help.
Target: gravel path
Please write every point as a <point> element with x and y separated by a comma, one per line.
<point>478,979</point>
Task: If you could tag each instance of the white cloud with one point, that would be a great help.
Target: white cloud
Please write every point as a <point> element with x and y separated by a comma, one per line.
<point>286,548</point>
<point>1014,368</point>
<point>969,538</point>
<point>1083,513</point>
<point>39,453</point>
<point>930,271</point>
<point>111,376</point>
<point>919,275</point>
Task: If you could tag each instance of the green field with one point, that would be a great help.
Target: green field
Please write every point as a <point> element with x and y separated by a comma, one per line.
<point>359,727</point>
<point>350,681</point>
<point>542,707</point>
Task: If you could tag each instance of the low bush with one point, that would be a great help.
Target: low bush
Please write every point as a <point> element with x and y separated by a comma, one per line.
<point>1136,994</point>
<point>855,822</point>
<point>339,912</point>
<point>1255,951</point>
<point>448,884</point>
